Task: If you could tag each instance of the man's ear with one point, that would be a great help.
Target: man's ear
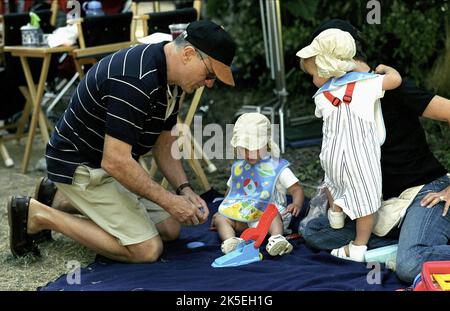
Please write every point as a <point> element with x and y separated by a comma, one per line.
<point>188,53</point>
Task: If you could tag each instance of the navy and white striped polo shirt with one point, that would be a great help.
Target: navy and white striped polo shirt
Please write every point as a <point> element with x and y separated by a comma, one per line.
<point>125,96</point>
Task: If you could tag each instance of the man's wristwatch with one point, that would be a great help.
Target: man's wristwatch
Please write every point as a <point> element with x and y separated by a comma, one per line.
<point>182,186</point>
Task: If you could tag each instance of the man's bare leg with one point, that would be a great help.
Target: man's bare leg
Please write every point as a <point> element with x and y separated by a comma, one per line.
<point>62,203</point>
<point>169,229</point>
<point>89,234</point>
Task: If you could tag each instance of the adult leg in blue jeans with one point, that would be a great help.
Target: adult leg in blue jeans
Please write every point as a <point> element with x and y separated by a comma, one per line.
<point>320,235</point>
<point>424,235</point>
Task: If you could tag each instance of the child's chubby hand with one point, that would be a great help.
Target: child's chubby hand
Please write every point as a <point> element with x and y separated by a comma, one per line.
<point>383,69</point>
<point>392,79</point>
<point>293,209</point>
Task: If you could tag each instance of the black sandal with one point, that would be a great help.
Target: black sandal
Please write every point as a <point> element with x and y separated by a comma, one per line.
<point>20,242</point>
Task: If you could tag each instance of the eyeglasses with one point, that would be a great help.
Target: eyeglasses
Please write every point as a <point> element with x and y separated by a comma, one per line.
<point>209,75</point>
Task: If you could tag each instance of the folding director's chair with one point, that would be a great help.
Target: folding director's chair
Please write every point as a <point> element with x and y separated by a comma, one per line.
<point>159,22</point>
<point>101,35</point>
<point>13,82</point>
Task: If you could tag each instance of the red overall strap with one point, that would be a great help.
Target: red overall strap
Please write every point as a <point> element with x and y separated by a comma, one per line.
<point>333,100</point>
<point>348,93</point>
<point>347,97</point>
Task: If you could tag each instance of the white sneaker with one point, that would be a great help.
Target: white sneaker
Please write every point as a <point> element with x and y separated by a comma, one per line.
<point>278,245</point>
<point>336,219</point>
<point>230,244</point>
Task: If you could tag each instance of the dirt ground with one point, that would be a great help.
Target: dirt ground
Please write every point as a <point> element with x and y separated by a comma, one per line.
<point>29,272</point>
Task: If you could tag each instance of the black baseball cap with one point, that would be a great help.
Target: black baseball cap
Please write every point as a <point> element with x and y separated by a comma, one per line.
<point>213,40</point>
<point>339,24</point>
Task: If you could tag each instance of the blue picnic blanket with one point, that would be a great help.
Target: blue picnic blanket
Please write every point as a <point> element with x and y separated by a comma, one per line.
<point>182,268</point>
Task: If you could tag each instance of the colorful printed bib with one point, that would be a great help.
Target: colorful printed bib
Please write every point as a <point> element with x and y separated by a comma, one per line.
<point>252,188</point>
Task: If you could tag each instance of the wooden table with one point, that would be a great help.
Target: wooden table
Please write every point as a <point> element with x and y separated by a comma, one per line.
<point>24,52</point>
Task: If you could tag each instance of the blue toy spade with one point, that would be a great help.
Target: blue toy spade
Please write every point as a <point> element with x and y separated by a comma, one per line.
<point>248,251</point>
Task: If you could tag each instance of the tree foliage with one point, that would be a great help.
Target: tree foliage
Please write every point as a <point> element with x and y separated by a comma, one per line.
<point>410,37</point>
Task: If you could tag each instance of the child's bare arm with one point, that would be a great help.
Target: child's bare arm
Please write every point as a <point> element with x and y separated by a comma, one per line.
<point>296,191</point>
<point>392,79</point>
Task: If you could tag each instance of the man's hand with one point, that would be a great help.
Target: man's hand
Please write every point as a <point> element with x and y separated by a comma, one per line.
<point>433,198</point>
<point>200,204</point>
<point>185,212</point>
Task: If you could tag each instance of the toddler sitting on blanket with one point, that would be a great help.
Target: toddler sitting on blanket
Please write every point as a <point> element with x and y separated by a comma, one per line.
<point>257,180</point>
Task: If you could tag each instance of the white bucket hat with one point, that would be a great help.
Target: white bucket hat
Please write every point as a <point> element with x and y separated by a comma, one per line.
<point>253,131</point>
<point>334,50</point>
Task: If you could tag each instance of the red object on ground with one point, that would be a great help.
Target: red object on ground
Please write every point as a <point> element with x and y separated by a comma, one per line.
<point>259,233</point>
<point>293,236</point>
<point>428,269</point>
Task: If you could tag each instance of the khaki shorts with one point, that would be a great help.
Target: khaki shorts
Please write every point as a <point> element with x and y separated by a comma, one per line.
<point>115,209</point>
